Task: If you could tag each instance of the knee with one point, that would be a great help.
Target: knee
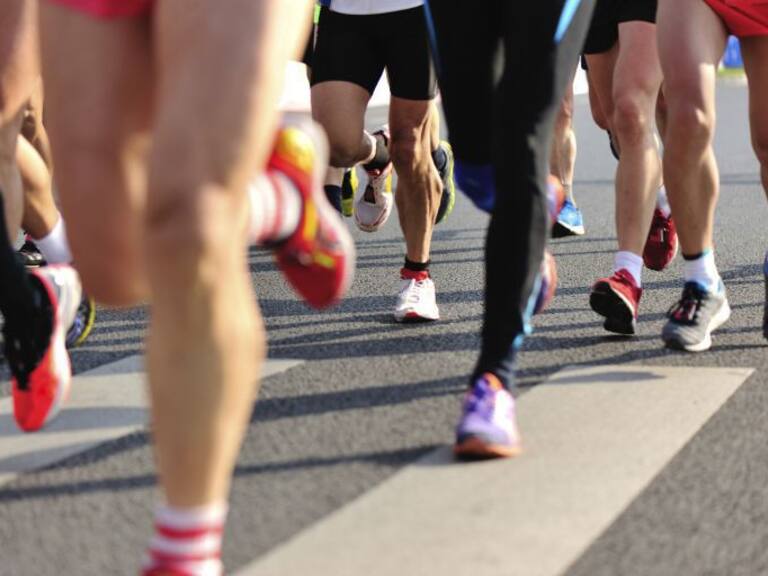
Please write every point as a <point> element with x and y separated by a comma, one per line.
<point>689,126</point>
<point>630,118</point>
<point>109,271</point>
<point>191,230</point>
<point>344,154</point>
<point>406,152</point>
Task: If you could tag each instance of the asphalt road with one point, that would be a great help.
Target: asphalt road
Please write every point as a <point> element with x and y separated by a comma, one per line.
<point>372,397</point>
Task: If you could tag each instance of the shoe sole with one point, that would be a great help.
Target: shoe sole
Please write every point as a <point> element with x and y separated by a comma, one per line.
<point>324,207</point>
<point>90,321</point>
<point>415,318</point>
<point>560,230</point>
<point>474,448</point>
<point>722,316</point>
<point>617,312</point>
<point>376,225</point>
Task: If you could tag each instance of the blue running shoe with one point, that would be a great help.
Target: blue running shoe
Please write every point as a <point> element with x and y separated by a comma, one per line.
<point>488,425</point>
<point>569,221</point>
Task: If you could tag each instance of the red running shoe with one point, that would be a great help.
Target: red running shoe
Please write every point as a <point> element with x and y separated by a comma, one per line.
<point>661,246</point>
<point>39,394</point>
<point>318,260</point>
<point>617,299</point>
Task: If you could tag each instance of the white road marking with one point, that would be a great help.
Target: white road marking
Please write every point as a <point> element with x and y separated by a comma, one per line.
<point>594,438</point>
<point>106,403</point>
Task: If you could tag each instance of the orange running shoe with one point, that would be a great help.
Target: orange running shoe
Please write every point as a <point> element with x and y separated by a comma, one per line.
<point>39,394</point>
<point>318,260</point>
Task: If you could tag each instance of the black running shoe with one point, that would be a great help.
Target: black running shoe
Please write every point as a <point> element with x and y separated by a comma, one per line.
<point>448,197</point>
<point>30,256</point>
<point>694,317</point>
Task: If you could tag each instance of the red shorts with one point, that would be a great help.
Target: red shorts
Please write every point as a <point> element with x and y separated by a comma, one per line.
<point>109,8</point>
<point>742,17</point>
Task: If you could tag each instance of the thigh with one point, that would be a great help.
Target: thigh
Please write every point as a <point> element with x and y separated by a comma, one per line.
<point>410,119</point>
<point>346,50</point>
<point>638,71</point>
<point>220,68</point>
<point>19,57</point>
<point>98,78</point>
<point>602,67</point>
<point>340,107</point>
<point>755,54</point>
<point>691,40</point>
<point>410,71</point>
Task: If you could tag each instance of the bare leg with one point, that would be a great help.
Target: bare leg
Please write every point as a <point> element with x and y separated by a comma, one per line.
<point>18,71</point>
<point>418,186</point>
<point>40,211</point>
<point>637,80</point>
<point>691,40</point>
<point>755,53</point>
<point>340,107</point>
<point>562,160</point>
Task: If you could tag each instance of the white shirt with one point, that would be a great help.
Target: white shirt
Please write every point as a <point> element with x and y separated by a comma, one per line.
<point>370,6</point>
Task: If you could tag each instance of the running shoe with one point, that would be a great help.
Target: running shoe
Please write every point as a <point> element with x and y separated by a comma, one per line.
<point>29,254</point>
<point>40,391</point>
<point>348,190</point>
<point>318,259</point>
<point>694,317</point>
<point>416,301</point>
<point>448,196</point>
<point>83,322</point>
<point>569,222</point>
<point>374,206</point>
<point>617,299</point>
<point>488,424</point>
<point>662,245</point>
<point>547,282</point>
<point>765,310</point>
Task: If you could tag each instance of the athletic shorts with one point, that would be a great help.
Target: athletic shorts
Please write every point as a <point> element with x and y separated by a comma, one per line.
<point>359,48</point>
<point>742,17</point>
<point>604,30</point>
<point>109,8</point>
<point>309,49</point>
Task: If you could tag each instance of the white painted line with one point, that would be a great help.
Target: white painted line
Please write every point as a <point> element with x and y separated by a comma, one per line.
<point>594,438</point>
<point>106,403</point>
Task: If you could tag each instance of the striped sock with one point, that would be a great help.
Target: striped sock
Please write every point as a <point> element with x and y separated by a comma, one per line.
<point>275,207</point>
<point>187,542</point>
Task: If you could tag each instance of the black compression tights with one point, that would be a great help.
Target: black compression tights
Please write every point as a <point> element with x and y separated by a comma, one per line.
<point>502,77</point>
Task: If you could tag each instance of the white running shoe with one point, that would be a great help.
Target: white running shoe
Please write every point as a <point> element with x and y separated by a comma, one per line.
<point>416,301</point>
<point>374,205</point>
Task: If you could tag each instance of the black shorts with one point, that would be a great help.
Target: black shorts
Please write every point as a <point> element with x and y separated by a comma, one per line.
<point>604,30</point>
<point>358,49</point>
<point>309,50</point>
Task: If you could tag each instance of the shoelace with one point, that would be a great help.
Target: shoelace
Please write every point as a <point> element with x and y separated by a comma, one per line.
<point>685,310</point>
<point>414,291</point>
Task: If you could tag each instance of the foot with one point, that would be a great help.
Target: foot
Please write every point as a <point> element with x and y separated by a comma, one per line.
<point>318,259</point>
<point>374,206</point>
<point>349,187</point>
<point>570,222</point>
<point>547,282</point>
<point>488,424</point>
<point>29,254</point>
<point>83,322</point>
<point>416,301</point>
<point>39,391</point>
<point>617,299</point>
<point>448,196</point>
<point>694,317</point>
<point>662,245</point>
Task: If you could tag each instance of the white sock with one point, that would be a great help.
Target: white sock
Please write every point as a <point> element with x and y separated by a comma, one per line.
<point>276,207</point>
<point>631,262</point>
<point>703,271</point>
<point>55,247</point>
<point>662,202</point>
<point>188,539</point>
